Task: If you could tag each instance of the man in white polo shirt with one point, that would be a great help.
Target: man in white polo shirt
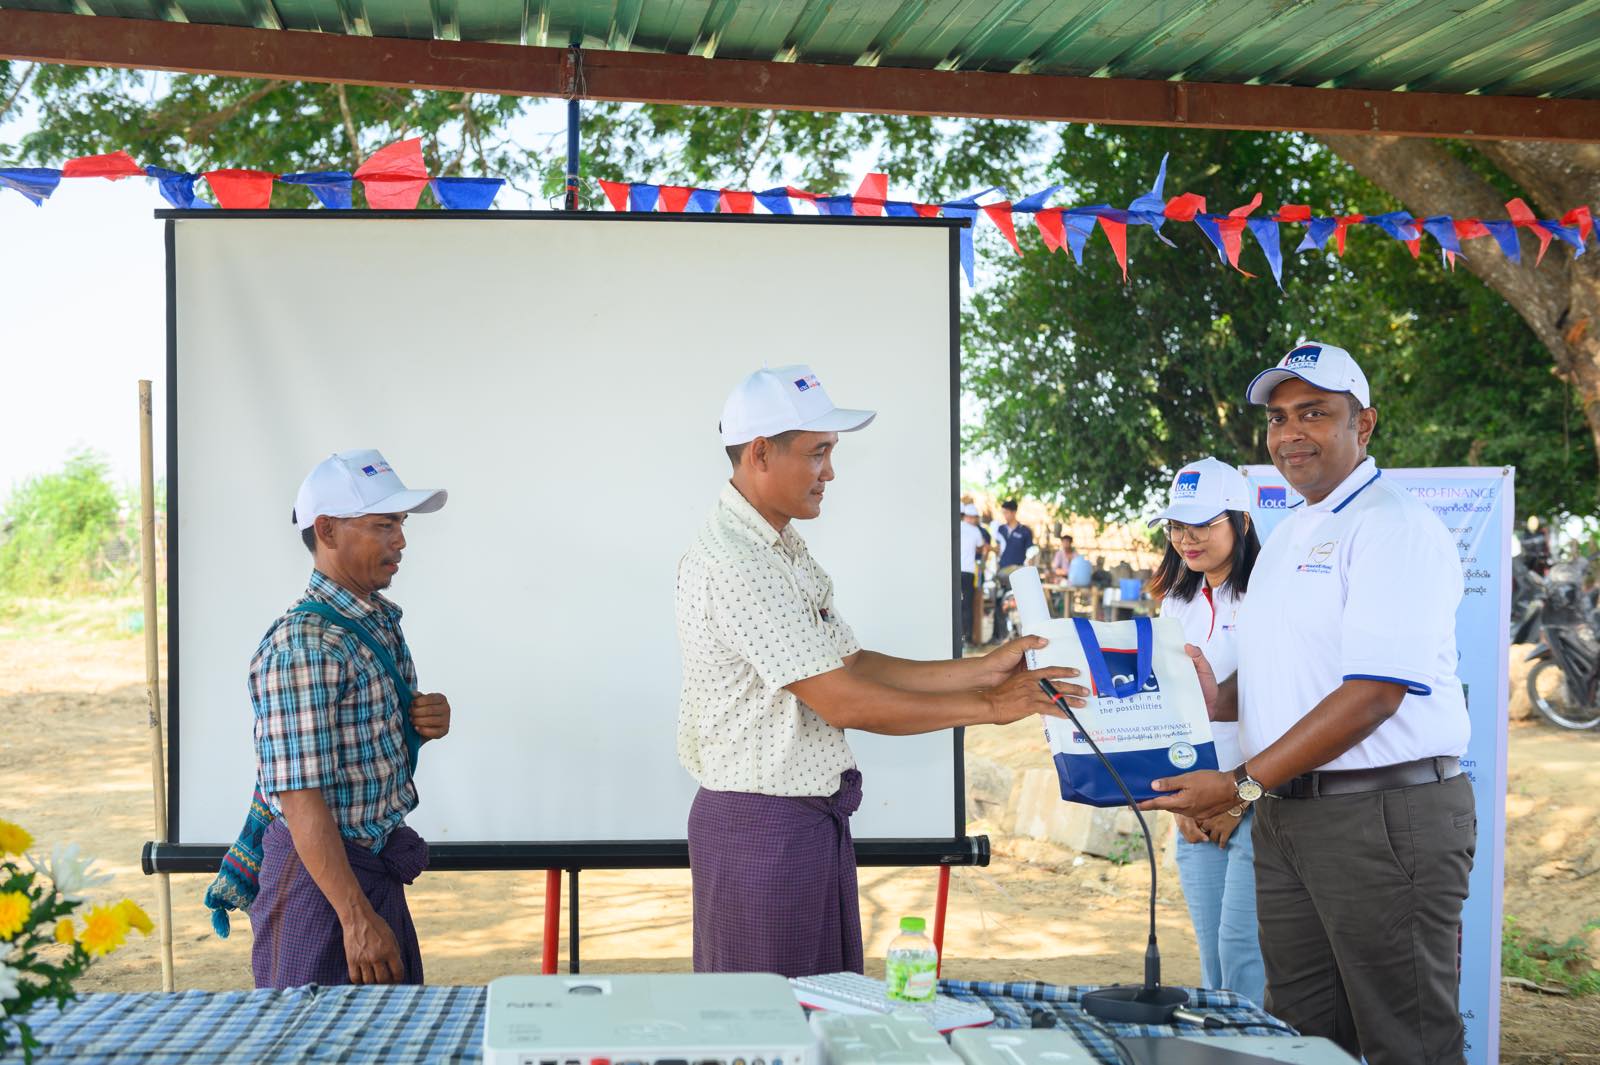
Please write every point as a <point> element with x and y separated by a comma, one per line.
<point>773,675</point>
<point>1352,721</point>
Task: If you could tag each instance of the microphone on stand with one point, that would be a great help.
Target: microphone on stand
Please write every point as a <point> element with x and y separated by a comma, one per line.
<point>1149,1003</point>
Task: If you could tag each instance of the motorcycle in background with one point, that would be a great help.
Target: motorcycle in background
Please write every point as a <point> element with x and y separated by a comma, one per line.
<point>1564,683</point>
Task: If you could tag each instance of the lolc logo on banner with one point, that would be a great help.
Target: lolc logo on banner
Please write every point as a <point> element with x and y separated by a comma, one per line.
<point>1272,497</point>
<point>1302,357</point>
<point>1187,484</point>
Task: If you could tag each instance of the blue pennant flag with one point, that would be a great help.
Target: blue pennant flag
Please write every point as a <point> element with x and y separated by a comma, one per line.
<point>1398,224</point>
<point>1442,228</point>
<point>332,187</point>
<point>1078,228</point>
<point>1150,208</point>
<point>177,188</point>
<point>901,209</point>
<point>836,205</point>
<point>1265,230</point>
<point>643,197</point>
<point>704,201</point>
<point>1208,226</point>
<point>1568,234</point>
<point>776,201</point>
<point>34,182</point>
<point>1505,234</point>
<point>465,193</point>
<point>1035,202</point>
<point>1318,230</point>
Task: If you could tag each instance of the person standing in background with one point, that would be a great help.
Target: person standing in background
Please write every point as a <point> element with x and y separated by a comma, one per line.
<point>1013,539</point>
<point>971,548</point>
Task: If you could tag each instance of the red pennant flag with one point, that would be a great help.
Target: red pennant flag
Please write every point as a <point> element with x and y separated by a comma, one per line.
<point>394,176</point>
<point>1415,244</point>
<point>737,202</point>
<point>1050,228</point>
<point>114,166</point>
<point>1519,211</point>
<point>1183,208</point>
<point>1232,231</point>
<point>1244,212</point>
<point>799,194</point>
<point>616,194</point>
<point>870,196</point>
<point>674,198</point>
<point>1294,212</point>
<point>1344,222</point>
<point>1000,215</point>
<point>926,210</point>
<point>1117,234</point>
<point>1450,257</point>
<point>241,190</point>
<point>1470,229</point>
<point>1542,231</point>
<point>1579,216</point>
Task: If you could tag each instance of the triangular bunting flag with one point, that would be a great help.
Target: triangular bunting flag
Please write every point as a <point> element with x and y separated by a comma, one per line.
<point>616,193</point>
<point>241,190</point>
<point>114,166</point>
<point>1000,215</point>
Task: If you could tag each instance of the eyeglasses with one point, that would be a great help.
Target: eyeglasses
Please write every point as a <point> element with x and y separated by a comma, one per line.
<point>1177,530</point>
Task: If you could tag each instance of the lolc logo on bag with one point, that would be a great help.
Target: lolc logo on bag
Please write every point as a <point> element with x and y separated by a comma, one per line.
<point>1124,668</point>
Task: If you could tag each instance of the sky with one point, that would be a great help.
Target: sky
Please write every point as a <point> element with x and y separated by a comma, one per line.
<point>83,316</point>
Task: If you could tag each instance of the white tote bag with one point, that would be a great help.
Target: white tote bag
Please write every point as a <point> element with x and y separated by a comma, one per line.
<point>1146,711</point>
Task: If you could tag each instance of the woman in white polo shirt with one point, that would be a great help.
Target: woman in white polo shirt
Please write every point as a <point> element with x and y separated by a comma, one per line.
<point>1211,548</point>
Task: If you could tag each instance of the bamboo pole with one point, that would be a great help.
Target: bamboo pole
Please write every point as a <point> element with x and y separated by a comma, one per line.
<point>152,671</point>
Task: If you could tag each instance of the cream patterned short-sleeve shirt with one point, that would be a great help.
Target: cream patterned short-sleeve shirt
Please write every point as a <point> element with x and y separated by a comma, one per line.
<point>755,613</point>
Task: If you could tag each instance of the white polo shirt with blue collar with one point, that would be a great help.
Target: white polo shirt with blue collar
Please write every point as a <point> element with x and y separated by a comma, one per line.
<point>1362,585</point>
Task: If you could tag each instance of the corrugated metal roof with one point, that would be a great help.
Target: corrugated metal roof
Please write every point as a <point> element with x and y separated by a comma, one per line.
<point>1495,47</point>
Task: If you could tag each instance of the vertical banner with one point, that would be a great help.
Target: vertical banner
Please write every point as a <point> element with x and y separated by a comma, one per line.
<point>1476,504</point>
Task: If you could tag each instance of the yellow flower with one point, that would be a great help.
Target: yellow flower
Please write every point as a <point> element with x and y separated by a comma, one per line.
<point>65,933</point>
<point>135,917</point>
<point>14,839</point>
<point>104,929</point>
<point>15,908</point>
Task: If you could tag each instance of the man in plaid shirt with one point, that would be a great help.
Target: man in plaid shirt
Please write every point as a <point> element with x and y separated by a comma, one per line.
<point>335,733</point>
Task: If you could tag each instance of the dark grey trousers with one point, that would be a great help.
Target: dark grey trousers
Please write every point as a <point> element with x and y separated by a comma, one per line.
<point>1359,898</point>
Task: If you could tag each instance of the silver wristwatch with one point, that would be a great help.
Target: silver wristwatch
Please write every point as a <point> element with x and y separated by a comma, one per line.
<point>1247,787</point>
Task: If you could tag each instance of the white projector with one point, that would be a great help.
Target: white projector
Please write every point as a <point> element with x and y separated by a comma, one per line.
<point>646,1019</point>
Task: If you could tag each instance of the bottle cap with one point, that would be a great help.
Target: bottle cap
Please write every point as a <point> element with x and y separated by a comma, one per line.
<point>912,924</point>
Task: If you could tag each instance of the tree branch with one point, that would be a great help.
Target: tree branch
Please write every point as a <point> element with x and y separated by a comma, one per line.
<point>22,83</point>
<point>197,129</point>
<point>349,126</point>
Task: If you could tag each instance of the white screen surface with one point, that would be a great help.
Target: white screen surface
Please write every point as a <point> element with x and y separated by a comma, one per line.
<point>563,380</point>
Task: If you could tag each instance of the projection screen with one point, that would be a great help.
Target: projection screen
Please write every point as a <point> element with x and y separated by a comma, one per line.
<point>562,377</point>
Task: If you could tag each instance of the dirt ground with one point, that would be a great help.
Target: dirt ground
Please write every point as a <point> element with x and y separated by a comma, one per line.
<point>75,766</point>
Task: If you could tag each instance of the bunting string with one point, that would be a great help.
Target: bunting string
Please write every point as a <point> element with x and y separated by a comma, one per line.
<point>394,178</point>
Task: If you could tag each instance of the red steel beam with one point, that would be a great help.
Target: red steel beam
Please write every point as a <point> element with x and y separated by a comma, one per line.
<point>461,66</point>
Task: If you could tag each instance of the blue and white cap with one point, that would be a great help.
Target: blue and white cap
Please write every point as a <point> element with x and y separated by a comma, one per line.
<point>348,484</point>
<point>1324,366</point>
<point>769,402</point>
<point>1202,491</point>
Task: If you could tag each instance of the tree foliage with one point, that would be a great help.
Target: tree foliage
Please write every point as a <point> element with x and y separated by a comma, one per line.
<point>1091,389</point>
<point>56,527</point>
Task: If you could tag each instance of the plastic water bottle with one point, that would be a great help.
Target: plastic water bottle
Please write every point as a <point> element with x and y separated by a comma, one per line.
<point>912,966</point>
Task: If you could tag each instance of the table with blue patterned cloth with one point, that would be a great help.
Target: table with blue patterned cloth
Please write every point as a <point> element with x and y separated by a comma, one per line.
<point>372,1025</point>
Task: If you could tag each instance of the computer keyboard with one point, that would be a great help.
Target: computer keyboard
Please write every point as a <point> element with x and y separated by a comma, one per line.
<point>854,993</point>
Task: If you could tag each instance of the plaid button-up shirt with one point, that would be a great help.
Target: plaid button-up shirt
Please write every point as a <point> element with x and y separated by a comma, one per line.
<point>328,715</point>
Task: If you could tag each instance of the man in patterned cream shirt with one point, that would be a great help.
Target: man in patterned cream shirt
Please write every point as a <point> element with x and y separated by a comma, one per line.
<point>772,676</point>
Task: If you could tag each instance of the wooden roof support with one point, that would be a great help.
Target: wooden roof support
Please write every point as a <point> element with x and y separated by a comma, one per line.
<point>462,66</point>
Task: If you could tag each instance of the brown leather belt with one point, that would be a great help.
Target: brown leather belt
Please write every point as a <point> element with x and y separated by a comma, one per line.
<point>1355,781</point>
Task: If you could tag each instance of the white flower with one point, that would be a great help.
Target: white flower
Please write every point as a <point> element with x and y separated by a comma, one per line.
<point>72,875</point>
<point>8,985</point>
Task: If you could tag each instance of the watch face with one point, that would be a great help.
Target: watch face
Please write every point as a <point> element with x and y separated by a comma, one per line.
<point>1249,790</point>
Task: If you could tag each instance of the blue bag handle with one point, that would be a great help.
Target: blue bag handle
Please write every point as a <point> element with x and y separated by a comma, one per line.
<point>385,659</point>
<point>1097,660</point>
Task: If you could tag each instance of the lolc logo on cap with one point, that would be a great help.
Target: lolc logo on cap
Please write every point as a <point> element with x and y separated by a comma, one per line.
<point>1272,497</point>
<point>1187,484</point>
<point>807,383</point>
<point>1302,356</point>
<point>373,471</point>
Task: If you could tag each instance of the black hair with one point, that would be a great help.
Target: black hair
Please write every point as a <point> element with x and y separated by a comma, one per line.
<point>307,536</point>
<point>1010,504</point>
<point>1355,408</point>
<point>781,440</point>
<point>1174,577</point>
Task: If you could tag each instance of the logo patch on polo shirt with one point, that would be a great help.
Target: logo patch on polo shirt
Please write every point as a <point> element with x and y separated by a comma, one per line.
<point>1187,484</point>
<point>1302,356</point>
<point>1272,497</point>
<point>1317,560</point>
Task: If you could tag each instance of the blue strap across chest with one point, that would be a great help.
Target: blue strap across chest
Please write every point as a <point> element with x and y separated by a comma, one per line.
<point>1101,672</point>
<point>385,659</point>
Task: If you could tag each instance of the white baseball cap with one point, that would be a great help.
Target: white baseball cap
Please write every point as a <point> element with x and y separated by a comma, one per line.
<point>1329,368</point>
<point>348,484</point>
<point>1204,490</point>
<point>969,510</point>
<point>773,401</point>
